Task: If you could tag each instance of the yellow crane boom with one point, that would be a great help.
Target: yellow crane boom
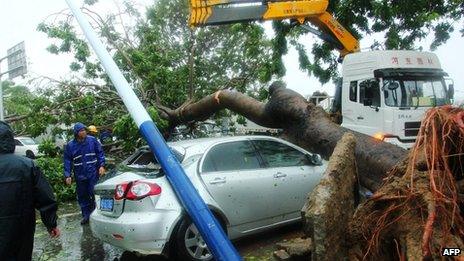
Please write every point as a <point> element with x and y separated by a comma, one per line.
<point>216,12</point>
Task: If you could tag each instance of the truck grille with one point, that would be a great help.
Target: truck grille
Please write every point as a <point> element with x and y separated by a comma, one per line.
<point>411,128</point>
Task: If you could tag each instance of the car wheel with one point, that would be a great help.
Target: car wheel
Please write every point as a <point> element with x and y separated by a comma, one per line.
<point>189,243</point>
<point>30,154</point>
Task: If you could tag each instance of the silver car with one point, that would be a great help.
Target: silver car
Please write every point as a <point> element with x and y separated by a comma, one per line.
<point>251,184</point>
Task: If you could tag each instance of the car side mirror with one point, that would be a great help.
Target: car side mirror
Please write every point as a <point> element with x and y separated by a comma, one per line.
<point>315,159</point>
<point>367,102</point>
<point>451,91</point>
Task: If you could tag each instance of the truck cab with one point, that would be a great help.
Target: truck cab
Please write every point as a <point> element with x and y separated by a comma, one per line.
<point>385,94</point>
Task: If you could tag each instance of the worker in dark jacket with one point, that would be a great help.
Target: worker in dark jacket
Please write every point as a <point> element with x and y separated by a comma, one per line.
<point>84,156</point>
<point>23,189</point>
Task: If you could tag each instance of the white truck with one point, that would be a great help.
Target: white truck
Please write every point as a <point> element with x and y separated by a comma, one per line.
<point>385,94</point>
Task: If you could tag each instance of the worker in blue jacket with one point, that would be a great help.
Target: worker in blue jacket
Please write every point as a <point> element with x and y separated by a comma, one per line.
<point>84,156</point>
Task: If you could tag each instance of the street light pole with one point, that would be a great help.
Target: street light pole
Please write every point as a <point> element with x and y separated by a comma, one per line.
<point>2,116</point>
<point>202,217</point>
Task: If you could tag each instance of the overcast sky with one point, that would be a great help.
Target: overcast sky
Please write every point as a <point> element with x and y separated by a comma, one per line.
<point>19,20</point>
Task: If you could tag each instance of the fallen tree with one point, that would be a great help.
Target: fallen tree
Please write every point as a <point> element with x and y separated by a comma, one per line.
<point>302,123</point>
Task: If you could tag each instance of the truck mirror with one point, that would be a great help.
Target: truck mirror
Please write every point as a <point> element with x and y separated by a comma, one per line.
<point>451,91</point>
<point>393,86</point>
<point>367,102</point>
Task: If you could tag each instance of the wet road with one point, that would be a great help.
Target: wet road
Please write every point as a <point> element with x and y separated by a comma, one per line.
<point>77,243</point>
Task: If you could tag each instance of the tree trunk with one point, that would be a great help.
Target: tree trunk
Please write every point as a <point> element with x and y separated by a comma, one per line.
<point>302,122</point>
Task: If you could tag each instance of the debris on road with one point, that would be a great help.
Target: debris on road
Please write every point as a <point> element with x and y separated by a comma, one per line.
<point>281,255</point>
<point>297,248</point>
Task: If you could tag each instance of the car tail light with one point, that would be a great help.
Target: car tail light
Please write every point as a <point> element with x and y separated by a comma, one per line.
<point>120,190</point>
<point>136,190</point>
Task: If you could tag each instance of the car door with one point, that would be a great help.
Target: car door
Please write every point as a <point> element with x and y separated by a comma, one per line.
<point>232,173</point>
<point>294,176</point>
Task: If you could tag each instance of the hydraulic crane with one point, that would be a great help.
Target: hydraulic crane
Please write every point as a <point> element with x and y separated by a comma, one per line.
<point>217,12</point>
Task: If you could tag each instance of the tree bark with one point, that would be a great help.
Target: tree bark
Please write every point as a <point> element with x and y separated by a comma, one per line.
<point>303,124</point>
<point>191,63</point>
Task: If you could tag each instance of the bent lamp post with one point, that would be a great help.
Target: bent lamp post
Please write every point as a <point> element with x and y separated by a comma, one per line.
<point>216,239</point>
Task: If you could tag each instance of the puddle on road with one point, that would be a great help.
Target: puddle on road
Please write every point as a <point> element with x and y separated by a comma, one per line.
<point>77,242</point>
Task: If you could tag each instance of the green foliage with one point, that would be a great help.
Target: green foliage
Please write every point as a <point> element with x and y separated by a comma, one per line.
<point>161,57</point>
<point>52,168</point>
<point>126,129</point>
<point>48,148</point>
<point>21,102</point>
<point>233,56</point>
<point>241,120</point>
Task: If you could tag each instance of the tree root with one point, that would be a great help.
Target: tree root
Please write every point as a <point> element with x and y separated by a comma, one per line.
<point>417,212</point>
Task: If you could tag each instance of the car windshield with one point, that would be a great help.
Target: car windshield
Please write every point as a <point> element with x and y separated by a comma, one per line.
<point>27,141</point>
<point>415,92</point>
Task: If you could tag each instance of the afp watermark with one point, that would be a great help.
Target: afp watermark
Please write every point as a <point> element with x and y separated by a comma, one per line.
<point>449,251</point>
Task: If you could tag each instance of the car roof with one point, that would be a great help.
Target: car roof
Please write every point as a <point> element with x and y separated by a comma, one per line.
<point>200,144</point>
<point>206,142</point>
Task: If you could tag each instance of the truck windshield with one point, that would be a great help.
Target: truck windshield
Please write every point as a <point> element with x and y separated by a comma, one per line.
<point>415,92</point>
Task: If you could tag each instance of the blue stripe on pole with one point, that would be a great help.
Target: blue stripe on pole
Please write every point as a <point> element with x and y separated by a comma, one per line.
<point>209,228</point>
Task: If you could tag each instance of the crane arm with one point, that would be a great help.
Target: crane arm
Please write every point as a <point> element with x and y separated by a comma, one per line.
<point>217,12</point>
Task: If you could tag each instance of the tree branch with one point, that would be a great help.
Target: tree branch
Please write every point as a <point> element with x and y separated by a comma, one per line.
<point>303,124</point>
<point>223,99</point>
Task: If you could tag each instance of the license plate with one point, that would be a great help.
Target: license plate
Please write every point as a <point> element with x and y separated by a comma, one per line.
<point>106,204</point>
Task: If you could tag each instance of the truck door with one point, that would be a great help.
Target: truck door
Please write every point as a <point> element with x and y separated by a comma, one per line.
<point>350,105</point>
<point>369,113</point>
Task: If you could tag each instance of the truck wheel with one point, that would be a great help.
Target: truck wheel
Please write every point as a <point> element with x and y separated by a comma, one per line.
<point>189,244</point>
<point>30,154</point>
